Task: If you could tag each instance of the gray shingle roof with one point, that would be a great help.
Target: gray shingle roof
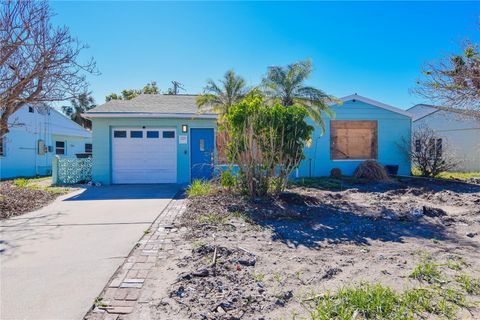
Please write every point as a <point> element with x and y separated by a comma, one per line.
<point>151,103</point>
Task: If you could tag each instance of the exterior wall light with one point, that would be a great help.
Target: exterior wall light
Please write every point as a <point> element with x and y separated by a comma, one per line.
<point>184,128</point>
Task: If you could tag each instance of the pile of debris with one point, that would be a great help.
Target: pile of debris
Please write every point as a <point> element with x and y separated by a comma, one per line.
<point>223,285</point>
<point>15,200</point>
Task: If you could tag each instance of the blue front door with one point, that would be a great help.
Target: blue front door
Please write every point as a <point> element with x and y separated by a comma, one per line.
<point>202,153</point>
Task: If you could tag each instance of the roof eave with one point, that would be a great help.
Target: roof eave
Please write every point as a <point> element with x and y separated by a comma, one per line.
<point>91,115</point>
<point>376,103</point>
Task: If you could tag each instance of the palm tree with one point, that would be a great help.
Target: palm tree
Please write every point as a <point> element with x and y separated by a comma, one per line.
<point>80,105</point>
<point>220,97</point>
<point>286,85</point>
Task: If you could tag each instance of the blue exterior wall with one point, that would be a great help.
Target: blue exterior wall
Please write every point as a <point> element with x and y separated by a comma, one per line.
<point>392,128</point>
<point>102,151</point>
<point>21,158</point>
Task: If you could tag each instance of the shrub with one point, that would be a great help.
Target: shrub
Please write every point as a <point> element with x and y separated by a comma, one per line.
<point>227,179</point>
<point>428,152</point>
<point>199,188</point>
<point>371,170</point>
<point>266,142</point>
<point>21,183</point>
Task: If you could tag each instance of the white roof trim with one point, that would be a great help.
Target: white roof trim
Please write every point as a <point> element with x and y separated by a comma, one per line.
<point>426,115</point>
<point>149,115</point>
<point>88,132</point>
<point>376,103</point>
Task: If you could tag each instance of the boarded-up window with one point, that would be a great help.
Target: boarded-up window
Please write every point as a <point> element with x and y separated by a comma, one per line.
<point>353,139</point>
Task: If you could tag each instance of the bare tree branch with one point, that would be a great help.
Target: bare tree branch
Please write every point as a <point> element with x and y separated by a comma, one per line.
<point>454,80</point>
<point>38,62</point>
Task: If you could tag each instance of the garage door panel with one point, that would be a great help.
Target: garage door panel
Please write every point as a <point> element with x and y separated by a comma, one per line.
<point>156,164</point>
<point>159,148</point>
<point>144,160</point>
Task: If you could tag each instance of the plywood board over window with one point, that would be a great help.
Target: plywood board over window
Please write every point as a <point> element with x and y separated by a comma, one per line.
<point>353,139</point>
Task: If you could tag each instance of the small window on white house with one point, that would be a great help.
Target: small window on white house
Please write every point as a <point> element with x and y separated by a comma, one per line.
<point>30,109</point>
<point>88,148</point>
<point>2,147</point>
<point>59,147</point>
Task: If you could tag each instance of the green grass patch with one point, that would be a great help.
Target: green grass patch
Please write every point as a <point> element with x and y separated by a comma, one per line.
<point>469,284</point>
<point>39,184</point>
<point>56,190</point>
<point>241,215</point>
<point>426,271</point>
<point>375,301</point>
<point>21,183</point>
<point>451,175</point>
<point>211,218</point>
<point>456,263</point>
<point>458,175</point>
<point>442,298</point>
<point>199,188</point>
<point>258,277</point>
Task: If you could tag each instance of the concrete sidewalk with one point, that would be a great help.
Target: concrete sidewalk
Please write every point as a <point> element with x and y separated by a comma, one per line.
<point>55,261</point>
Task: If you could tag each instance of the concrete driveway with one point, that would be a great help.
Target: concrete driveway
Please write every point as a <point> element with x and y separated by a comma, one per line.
<point>56,261</point>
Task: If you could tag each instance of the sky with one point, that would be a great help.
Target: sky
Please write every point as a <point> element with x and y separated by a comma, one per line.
<point>374,49</point>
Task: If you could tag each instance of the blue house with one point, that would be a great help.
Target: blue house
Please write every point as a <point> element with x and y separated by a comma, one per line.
<point>362,129</point>
<point>152,139</point>
<point>163,139</point>
<point>36,135</point>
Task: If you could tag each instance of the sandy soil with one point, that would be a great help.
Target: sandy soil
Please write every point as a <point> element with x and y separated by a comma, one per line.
<point>272,255</point>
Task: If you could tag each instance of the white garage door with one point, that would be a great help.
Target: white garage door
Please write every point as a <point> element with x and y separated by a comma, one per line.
<point>144,156</point>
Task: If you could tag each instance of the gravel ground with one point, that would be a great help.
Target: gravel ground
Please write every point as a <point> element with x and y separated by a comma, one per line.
<point>238,259</point>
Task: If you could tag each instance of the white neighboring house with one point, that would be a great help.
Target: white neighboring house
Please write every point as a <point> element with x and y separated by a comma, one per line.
<point>36,136</point>
<point>458,129</point>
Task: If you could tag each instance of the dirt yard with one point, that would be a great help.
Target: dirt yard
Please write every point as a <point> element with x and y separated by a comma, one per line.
<point>25,195</point>
<point>284,258</point>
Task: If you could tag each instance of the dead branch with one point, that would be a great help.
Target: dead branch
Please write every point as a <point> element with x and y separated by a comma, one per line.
<point>38,62</point>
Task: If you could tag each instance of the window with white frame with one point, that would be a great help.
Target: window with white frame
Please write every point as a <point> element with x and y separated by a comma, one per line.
<point>60,147</point>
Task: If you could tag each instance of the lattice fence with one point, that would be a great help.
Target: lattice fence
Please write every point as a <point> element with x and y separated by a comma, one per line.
<point>72,170</point>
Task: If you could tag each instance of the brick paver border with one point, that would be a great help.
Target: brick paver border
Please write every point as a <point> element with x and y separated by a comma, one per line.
<point>124,289</point>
